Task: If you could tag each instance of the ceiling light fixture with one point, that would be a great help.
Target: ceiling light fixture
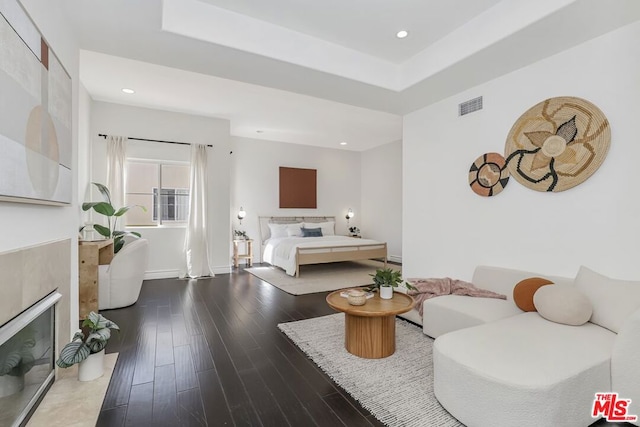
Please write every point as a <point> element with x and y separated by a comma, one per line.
<point>402,34</point>
<point>127,90</point>
<point>343,143</point>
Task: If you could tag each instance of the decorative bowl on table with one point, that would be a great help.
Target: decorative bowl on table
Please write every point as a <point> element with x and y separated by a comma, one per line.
<point>356,297</point>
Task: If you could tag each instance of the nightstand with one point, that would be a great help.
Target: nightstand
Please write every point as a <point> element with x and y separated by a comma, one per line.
<point>248,254</point>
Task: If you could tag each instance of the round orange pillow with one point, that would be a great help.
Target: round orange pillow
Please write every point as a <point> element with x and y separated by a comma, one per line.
<point>524,290</point>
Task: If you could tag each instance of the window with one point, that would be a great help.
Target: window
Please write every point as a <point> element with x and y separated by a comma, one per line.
<point>173,203</point>
<point>161,187</point>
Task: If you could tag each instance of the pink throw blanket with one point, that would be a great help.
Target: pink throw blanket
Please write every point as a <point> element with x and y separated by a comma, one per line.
<point>429,288</point>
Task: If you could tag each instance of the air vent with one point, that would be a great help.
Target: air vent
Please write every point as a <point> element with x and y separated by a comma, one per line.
<point>470,106</point>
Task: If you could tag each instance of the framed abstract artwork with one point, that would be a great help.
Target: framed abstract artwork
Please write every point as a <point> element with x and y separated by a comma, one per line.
<point>298,188</point>
<point>35,114</point>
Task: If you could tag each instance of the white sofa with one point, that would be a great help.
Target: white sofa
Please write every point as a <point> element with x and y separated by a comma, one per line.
<point>452,312</point>
<point>495,365</point>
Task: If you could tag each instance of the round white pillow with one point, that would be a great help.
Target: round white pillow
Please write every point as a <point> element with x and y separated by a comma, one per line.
<point>563,304</point>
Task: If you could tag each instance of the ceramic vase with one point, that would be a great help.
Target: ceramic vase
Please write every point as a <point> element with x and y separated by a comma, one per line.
<point>92,367</point>
<point>386,292</point>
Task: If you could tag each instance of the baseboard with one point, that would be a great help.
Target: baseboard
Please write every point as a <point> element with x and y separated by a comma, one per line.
<point>161,274</point>
<point>170,274</point>
<point>222,269</point>
<point>395,258</point>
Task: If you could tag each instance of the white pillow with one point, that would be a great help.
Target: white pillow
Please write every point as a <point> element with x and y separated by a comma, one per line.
<point>295,230</point>
<point>563,304</point>
<point>613,300</point>
<point>278,230</point>
<point>328,227</point>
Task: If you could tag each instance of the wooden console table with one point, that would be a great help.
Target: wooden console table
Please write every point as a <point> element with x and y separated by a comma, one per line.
<point>91,254</point>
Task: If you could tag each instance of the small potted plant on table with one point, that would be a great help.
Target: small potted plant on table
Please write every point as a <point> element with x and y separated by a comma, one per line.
<point>385,279</point>
<point>240,235</point>
<point>87,347</point>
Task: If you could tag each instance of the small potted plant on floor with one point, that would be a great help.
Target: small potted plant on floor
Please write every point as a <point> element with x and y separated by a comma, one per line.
<point>87,347</point>
<point>385,279</point>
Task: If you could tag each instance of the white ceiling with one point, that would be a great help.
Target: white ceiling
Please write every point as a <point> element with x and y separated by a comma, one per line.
<point>368,26</point>
<point>319,72</point>
<point>279,115</point>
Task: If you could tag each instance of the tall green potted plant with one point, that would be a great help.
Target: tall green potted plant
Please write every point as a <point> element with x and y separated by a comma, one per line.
<point>107,209</point>
<point>385,279</point>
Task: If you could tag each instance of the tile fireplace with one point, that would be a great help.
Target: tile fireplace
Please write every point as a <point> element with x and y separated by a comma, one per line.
<point>27,352</point>
<point>35,322</point>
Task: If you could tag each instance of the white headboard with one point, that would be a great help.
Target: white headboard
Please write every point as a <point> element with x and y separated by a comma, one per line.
<point>264,221</point>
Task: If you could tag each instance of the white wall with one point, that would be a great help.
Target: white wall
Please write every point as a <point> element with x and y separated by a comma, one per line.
<point>84,152</point>
<point>381,198</point>
<point>448,229</point>
<point>166,243</point>
<point>255,182</point>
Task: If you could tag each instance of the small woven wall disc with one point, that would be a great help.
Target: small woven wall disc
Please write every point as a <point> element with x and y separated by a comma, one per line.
<point>557,144</point>
<point>488,175</point>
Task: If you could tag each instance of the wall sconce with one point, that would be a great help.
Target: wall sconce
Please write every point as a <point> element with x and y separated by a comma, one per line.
<point>241,214</point>
<point>349,215</point>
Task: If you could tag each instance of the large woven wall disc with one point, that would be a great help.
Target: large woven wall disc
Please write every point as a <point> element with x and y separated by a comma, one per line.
<point>557,144</point>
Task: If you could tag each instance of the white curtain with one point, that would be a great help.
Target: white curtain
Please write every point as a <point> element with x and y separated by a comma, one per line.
<point>195,244</point>
<point>116,154</point>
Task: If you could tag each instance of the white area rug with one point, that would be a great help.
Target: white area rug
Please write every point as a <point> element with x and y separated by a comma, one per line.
<point>320,277</point>
<point>397,390</point>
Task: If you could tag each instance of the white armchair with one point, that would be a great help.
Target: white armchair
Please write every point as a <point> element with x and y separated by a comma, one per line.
<point>119,283</point>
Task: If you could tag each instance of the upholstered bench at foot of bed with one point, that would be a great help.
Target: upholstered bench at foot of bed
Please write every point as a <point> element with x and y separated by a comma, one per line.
<point>522,371</point>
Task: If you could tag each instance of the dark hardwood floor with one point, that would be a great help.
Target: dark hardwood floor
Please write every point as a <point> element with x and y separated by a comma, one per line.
<point>208,353</point>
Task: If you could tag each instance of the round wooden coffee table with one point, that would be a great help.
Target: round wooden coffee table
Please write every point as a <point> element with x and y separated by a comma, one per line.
<point>370,329</point>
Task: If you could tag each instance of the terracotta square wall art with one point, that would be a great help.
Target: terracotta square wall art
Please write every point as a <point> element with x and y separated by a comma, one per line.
<point>35,114</point>
<point>298,188</point>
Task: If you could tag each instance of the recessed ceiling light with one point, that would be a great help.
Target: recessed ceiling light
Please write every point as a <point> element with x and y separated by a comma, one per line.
<point>343,143</point>
<point>402,34</point>
<point>127,90</point>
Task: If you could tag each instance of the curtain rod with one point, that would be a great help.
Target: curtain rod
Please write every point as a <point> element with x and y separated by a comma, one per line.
<point>154,140</point>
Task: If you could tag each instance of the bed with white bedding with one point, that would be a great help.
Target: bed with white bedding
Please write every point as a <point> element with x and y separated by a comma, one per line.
<point>283,246</point>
